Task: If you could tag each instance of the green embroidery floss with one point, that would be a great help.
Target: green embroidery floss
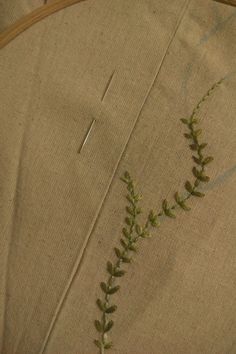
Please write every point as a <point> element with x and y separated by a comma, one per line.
<point>132,232</point>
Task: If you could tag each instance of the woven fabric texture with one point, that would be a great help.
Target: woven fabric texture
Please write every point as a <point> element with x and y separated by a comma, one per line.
<point>136,67</point>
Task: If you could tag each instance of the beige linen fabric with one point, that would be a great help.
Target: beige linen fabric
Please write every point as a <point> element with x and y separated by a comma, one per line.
<point>136,67</point>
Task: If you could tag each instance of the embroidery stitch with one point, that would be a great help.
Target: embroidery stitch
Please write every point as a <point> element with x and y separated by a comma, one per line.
<point>133,231</point>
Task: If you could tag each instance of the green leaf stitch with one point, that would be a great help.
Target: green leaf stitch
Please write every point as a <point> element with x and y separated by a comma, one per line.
<point>108,326</point>
<point>113,290</point>
<point>188,186</point>
<point>104,287</point>
<point>118,252</point>
<point>100,305</point>
<point>119,273</point>
<point>108,345</point>
<point>110,268</point>
<point>98,325</point>
<point>97,343</point>
<point>111,309</point>
<point>133,231</point>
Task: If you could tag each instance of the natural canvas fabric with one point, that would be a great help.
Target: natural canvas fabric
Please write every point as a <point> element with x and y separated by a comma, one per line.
<point>136,67</point>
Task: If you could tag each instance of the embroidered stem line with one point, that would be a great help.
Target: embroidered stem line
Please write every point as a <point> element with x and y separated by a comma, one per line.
<point>133,231</point>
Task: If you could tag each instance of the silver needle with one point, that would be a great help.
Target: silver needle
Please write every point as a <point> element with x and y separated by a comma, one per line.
<point>87,135</point>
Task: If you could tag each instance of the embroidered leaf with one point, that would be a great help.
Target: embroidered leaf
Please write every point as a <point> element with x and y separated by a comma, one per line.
<point>154,222</point>
<point>197,160</point>
<point>98,325</point>
<point>132,248</point>
<point>108,345</point>
<point>123,243</point>
<point>188,187</point>
<point>103,287</point>
<point>197,132</point>
<point>153,219</point>
<point>196,182</point>
<point>130,186</point>
<point>138,229</point>
<point>127,175</point>
<point>117,252</point>
<point>100,305</point>
<point>188,136</point>
<point>126,233</point>
<point>108,326</point>
<point>110,268</point>
<point>183,205</point>
<point>113,290</point>
<point>145,234</point>
<point>111,309</point>
<point>198,194</point>
<point>194,121</point>
<point>130,211</point>
<point>177,197</point>
<point>204,178</point>
<point>194,146</point>
<point>98,343</point>
<point>164,204</point>
<point>202,146</point>
<point>123,179</point>
<point>196,173</point>
<point>207,160</point>
<point>180,202</point>
<point>130,199</point>
<point>128,221</point>
<point>126,259</point>
<point>138,211</point>
<point>169,213</point>
<point>119,273</point>
<point>137,197</point>
<point>151,215</point>
<point>184,120</point>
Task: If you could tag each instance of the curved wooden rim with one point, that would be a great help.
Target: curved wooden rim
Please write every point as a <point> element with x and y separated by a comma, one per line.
<point>46,10</point>
<point>228,2</point>
<point>33,17</point>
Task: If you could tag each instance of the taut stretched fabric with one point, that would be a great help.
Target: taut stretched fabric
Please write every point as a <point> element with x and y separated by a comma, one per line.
<point>136,67</point>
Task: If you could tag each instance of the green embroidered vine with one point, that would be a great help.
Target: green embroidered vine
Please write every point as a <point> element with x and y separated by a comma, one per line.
<point>133,231</point>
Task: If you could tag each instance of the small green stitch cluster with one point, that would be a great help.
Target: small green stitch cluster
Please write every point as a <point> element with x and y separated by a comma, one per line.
<point>133,231</point>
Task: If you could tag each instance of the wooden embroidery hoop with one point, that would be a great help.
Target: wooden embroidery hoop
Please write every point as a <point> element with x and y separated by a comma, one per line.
<point>33,17</point>
<point>46,10</point>
<point>227,2</point>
